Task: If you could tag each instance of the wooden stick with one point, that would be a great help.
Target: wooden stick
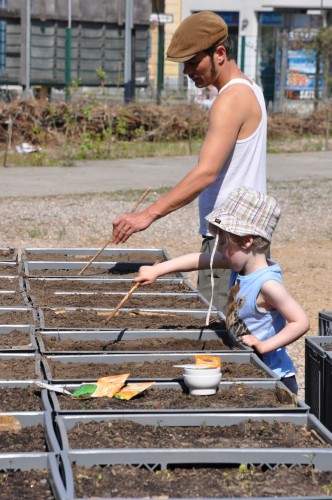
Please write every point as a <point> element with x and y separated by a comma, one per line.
<point>120,304</point>
<point>125,298</point>
<point>135,207</point>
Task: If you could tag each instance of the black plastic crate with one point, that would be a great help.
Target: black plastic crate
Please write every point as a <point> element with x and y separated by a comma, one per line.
<point>327,391</point>
<point>325,323</point>
<point>314,365</point>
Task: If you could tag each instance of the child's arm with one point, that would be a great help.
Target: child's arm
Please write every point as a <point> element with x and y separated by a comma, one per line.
<point>190,262</point>
<point>276,295</point>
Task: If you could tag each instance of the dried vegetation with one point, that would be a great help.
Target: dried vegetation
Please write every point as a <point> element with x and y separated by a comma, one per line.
<point>51,124</point>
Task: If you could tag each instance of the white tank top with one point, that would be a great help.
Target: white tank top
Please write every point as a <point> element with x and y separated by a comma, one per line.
<point>245,166</point>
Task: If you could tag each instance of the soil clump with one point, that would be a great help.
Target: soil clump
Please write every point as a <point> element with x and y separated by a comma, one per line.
<point>26,485</point>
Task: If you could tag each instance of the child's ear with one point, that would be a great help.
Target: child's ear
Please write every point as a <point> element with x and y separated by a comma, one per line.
<point>248,241</point>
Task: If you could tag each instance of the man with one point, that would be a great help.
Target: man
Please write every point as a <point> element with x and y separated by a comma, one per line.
<point>233,153</point>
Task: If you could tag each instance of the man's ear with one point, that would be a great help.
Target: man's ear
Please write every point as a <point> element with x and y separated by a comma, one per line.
<point>221,53</point>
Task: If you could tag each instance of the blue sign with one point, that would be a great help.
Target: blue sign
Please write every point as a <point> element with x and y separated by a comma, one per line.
<point>230,18</point>
<point>270,18</point>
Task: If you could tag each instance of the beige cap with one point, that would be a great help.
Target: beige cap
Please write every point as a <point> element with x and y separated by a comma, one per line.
<point>196,33</point>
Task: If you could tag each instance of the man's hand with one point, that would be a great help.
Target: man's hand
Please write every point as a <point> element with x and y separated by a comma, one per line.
<point>126,225</point>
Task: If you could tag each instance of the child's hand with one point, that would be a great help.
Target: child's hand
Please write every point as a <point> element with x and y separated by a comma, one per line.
<point>146,275</point>
<point>252,341</point>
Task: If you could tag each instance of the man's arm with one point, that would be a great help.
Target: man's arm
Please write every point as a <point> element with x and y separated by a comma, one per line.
<point>225,122</point>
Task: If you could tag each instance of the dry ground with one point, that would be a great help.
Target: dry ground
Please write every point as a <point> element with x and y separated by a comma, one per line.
<point>302,243</point>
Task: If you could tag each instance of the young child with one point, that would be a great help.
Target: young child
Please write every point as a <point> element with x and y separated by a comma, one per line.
<point>260,311</point>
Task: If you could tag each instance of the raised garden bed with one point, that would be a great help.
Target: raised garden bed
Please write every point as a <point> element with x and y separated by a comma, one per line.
<point>8,254</point>
<point>36,434</point>
<point>19,396</point>
<point>197,480</point>
<point>31,476</point>
<point>19,366</point>
<point>110,300</point>
<point>71,269</point>
<point>17,316</point>
<point>135,319</point>
<point>9,269</point>
<point>264,397</point>
<point>150,367</point>
<point>21,338</point>
<point>85,254</point>
<point>194,431</point>
<point>66,342</point>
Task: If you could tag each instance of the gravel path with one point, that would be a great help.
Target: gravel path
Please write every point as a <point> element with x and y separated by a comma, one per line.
<point>302,243</point>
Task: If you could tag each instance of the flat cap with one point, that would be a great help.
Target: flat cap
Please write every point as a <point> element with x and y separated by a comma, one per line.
<point>196,33</point>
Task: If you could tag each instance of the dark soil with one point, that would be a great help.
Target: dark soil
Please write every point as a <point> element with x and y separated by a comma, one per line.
<point>119,270</point>
<point>150,344</point>
<point>16,318</point>
<point>198,482</point>
<point>116,257</point>
<point>12,300</point>
<point>18,369</point>
<point>14,339</point>
<point>159,369</point>
<point>6,270</point>
<point>25,485</point>
<point>20,399</point>
<point>40,287</point>
<point>7,254</point>
<point>134,320</point>
<point>9,284</point>
<point>128,434</point>
<point>98,300</point>
<point>28,439</point>
<point>235,396</point>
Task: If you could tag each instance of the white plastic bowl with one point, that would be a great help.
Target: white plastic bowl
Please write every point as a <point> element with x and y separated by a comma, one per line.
<point>195,369</point>
<point>202,384</point>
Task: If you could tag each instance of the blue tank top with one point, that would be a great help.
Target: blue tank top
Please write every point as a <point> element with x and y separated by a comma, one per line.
<point>263,325</point>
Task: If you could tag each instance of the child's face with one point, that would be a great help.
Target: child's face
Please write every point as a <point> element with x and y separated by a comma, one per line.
<point>235,255</point>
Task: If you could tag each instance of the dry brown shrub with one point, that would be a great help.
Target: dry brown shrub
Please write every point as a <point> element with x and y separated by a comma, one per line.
<point>52,123</point>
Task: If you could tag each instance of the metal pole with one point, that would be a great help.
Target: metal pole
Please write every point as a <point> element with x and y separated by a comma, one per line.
<point>68,53</point>
<point>27,48</point>
<point>128,93</point>
<point>3,40</point>
<point>161,44</point>
<point>243,52</point>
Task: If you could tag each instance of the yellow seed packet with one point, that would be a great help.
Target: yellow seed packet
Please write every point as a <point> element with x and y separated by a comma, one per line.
<point>131,390</point>
<point>207,361</point>
<point>109,386</point>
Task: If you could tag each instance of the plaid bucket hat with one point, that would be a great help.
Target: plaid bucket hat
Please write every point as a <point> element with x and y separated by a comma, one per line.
<point>247,212</point>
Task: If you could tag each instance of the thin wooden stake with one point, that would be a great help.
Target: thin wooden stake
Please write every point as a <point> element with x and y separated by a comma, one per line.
<point>135,207</point>
<point>120,304</point>
<point>125,298</point>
